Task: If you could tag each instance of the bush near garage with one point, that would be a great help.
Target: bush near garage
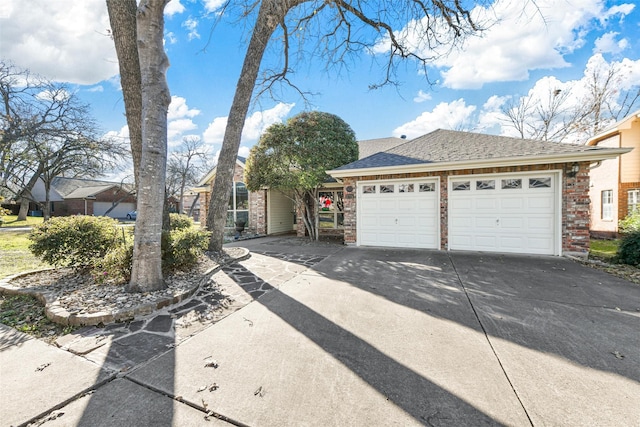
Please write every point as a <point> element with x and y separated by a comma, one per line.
<point>105,250</point>
<point>73,241</point>
<point>629,249</point>
<point>182,248</point>
<point>631,223</point>
<point>180,222</point>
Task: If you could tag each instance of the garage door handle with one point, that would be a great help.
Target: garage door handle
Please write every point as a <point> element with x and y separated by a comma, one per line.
<point>498,222</point>
<point>396,221</point>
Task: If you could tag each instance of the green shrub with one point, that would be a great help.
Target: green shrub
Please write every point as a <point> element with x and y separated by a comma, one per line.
<point>631,223</point>
<point>182,248</point>
<point>629,249</point>
<point>115,267</point>
<point>180,222</point>
<point>73,241</point>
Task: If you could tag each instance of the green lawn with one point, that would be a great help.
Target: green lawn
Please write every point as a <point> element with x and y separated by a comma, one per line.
<point>604,248</point>
<point>15,256</point>
<point>12,221</point>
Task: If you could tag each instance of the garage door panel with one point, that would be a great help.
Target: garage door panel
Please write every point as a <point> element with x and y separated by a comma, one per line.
<point>518,220</point>
<point>486,204</point>
<point>461,203</point>
<point>399,219</point>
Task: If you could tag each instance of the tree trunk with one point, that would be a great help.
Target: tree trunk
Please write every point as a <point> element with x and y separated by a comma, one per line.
<point>25,195</point>
<point>193,205</point>
<point>122,16</point>
<point>146,271</point>
<point>270,15</point>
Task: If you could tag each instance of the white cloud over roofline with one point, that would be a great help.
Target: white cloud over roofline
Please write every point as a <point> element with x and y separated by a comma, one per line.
<point>254,125</point>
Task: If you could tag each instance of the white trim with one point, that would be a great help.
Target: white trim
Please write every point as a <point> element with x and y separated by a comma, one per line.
<point>583,156</point>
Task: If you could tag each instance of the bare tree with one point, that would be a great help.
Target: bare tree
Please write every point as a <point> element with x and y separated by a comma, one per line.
<point>343,27</point>
<point>185,166</point>
<point>46,133</point>
<point>573,113</point>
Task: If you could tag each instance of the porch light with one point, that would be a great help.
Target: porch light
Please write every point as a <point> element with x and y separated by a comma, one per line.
<point>573,171</point>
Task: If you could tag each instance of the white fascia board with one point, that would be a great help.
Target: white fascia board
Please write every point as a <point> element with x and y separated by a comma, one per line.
<point>583,156</point>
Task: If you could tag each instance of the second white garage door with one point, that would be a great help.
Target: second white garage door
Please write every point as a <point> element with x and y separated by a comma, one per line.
<point>399,213</point>
<point>504,213</point>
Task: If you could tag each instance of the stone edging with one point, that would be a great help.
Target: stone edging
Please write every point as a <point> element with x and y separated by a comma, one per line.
<point>58,314</point>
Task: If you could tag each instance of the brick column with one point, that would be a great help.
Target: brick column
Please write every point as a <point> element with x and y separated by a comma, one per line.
<point>575,211</point>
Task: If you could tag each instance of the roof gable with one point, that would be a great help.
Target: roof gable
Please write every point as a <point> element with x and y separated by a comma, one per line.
<point>368,147</point>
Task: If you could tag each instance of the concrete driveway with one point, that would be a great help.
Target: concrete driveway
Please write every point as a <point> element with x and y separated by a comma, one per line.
<point>410,337</point>
<point>340,336</point>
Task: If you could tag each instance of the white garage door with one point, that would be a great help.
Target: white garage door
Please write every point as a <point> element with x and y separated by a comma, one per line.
<point>399,213</point>
<point>120,211</point>
<point>504,213</point>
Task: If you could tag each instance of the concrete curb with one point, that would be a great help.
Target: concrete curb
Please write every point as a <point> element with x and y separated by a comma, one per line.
<point>56,313</point>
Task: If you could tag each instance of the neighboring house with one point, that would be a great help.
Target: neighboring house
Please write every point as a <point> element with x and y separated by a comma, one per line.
<point>615,183</point>
<point>76,196</point>
<point>270,211</point>
<point>454,190</point>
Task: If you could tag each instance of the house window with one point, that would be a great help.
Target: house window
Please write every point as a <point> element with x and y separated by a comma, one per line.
<point>509,184</point>
<point>539,182</point>
<point>427,186</point>
<point>331,209</point>
<point>461,186</point>
<point>405,188</point>
<point>386,188</point>
<point>488,184</point>
<point>238,209</point>
<point>632,200</point>
<point>369,189</point>
<point>607,205</point>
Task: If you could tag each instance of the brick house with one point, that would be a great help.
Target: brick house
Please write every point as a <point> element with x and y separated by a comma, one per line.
<point>615,183</point>
<point>77,196</point>
<point>453,190</point>
<point>268,211</point>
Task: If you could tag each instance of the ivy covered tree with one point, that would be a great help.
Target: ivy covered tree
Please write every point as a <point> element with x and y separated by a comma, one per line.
<point>294,157</point>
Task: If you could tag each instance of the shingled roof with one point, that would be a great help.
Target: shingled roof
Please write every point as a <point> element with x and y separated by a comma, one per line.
<point>447,148</point>
<point>367,147</point>
<point>79,188</point>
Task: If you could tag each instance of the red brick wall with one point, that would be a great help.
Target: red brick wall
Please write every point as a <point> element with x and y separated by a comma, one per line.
<point>575,201</point>
<point>623,197</point>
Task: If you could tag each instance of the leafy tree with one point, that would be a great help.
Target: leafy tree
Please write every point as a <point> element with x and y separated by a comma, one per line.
<point>340,27</point>
<point>293,158</point>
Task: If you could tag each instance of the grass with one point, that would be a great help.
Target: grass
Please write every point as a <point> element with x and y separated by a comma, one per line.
<point>15,256</point>
<point>12,221</point>
<point>26,314</point>
<point>605,249</point>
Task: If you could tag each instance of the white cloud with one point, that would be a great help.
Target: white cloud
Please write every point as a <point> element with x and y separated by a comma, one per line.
<point>173,7</point>
<point>213,5</point>
<point>64,40</point>
<point>452,115</point>
<point>255,124</point>
<point>192,26</point>
<point>176,128</point>
<point>527,36</point>
<point>96,89</point>
<point>122,134</point>
<point>422,96</point>
<point>179,109</point>
<point>244,151</point>
<point>608,43</point>
<point>171,37</point>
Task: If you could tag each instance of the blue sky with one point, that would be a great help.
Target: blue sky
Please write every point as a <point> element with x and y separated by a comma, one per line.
<point>526,51</point>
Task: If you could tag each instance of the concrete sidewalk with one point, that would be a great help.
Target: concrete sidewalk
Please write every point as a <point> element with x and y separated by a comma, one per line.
<point>361,336</point>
